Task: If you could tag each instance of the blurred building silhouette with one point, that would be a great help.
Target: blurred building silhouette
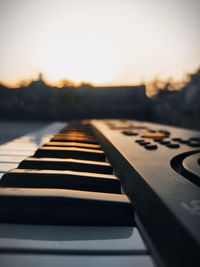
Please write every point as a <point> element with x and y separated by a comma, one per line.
<point>42,102</point>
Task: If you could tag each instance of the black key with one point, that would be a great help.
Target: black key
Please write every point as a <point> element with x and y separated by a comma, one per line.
<point>74,139</point>
<point>64,207</point>
<point>70,152</point>
<point>74,133</point>
<point>73,144</point>
<point>66,164</point>
<point>61,179</point>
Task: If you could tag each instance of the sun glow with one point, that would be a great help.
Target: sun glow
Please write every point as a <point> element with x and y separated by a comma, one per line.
<point>81,59</point>
<point>99,41</point>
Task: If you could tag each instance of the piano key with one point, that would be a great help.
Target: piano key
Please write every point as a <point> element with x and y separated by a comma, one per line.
<point>71,239</point>
<point>19,146</point>
<point>24,144</point>
<point>64,207</point>
<point>74,134</point>
<point>70,152</point>
<point>11,159</point>
<point>35,260</point>
<point>6,166</point>
<point>74,139</point>
<point>66,164</point>
<point>73,144</point>
<point>74,131</point>
<point>17,152</point>
<point>61,179</point>
<point>30,140</point>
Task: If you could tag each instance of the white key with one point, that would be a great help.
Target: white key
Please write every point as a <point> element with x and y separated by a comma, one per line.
<point>5,167</point>
<point>11,159</point>
<point>17,152</point>
<point>18,260</point>
<point>18,146</point>
<point>113,240</point>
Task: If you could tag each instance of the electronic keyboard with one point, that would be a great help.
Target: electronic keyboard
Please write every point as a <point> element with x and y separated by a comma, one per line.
<point>101,193</point>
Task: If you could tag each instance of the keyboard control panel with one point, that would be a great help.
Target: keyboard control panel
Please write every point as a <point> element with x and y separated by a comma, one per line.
<point>159,168</point>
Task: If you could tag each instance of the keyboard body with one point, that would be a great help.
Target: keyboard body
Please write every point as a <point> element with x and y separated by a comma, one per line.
<point>157,167</point>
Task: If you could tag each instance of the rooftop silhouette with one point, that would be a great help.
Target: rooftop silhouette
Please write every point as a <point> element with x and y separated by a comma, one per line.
<point>41,101</point>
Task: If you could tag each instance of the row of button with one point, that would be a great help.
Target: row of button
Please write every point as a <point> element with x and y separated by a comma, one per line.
<point>161,136</point>
<point>192,142</point>
<point>149,133</point>
<point>167,143</point>
<point>149,146</point>
<point>156,135</point>
<point>146,145</point>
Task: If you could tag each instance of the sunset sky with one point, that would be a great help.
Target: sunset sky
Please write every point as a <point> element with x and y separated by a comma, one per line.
<point>100,41</point>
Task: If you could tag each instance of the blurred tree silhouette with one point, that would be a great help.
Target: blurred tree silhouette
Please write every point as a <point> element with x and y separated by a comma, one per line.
<point>40,101</point>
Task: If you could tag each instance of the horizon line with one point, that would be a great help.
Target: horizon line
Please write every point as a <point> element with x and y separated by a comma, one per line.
<point>150,85</point>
